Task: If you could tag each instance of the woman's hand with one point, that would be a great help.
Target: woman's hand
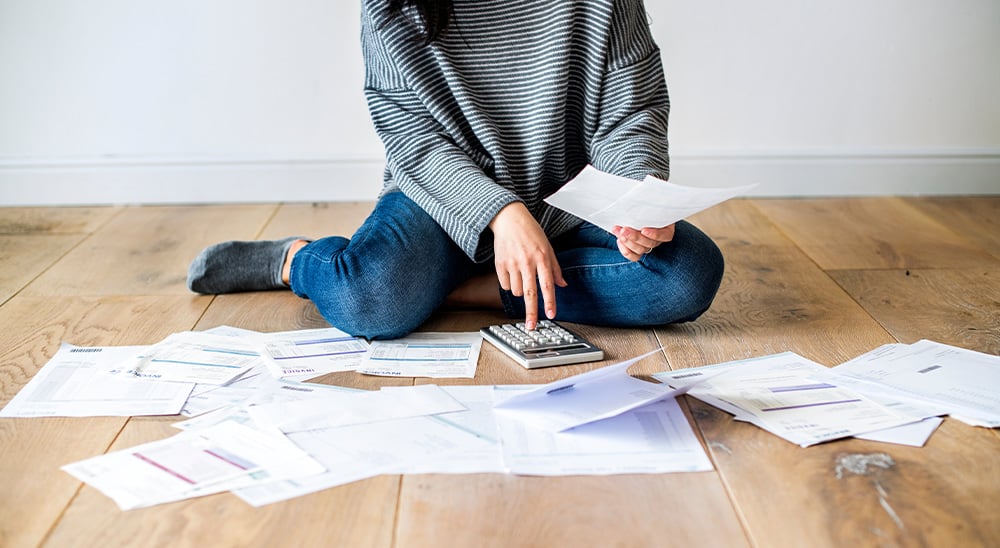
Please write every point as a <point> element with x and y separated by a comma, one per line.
<point>633,243</point>
<point>523,255</point>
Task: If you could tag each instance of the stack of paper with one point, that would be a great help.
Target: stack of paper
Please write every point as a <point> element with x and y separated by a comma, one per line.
<point>618,427</point>
<point>794,398</point>
<point>589,397</point>
<point>963,383</point>
<point>198,357</point>
<point>301,438</point>
<point>76,383</point>
<point>191,373</point>
<point>219,458</point>
<point>265,435</point>
<point>653,438</point>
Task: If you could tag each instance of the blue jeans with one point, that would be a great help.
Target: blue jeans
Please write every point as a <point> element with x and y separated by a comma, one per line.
<point>399,267</point>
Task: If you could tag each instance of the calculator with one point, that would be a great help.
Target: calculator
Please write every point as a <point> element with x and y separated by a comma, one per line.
<point>548,344</point>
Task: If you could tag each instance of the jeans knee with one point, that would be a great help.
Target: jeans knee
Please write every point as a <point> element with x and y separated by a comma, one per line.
<point>367,310</point>
<point>388,278</point>
<point>691,282</point>
<point>703,282</point>
<point>374,327</point>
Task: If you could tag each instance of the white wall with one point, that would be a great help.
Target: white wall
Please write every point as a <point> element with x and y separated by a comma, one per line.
<point>119,101</point>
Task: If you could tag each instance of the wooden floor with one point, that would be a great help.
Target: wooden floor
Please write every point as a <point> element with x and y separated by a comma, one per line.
<point>826,278</point>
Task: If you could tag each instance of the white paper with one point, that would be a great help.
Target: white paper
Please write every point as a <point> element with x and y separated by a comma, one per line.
<point>310,353</point>
<point>208,397</point>
<point>351,453</point>
<point>342,467</point>
<point>587,397</point>
<point>76,383</point>
<point>233,413</point>
<point>965,382</point>
<point>915,434</point>
<point>198,357</point>
<point>655,438</point>
<point>271,391</point>
<point>191,464</point>
<point>791,397</point>
<point>436,355</point>
<point>608,200</point>
<point>478,420</point>
<point>336,409</point>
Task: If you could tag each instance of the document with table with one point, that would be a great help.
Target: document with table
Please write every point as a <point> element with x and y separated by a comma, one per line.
<point>794,398</point>
<point>76,383</point>
<point>219,458</point>
<point>963,382</point>
<point>436,355</point>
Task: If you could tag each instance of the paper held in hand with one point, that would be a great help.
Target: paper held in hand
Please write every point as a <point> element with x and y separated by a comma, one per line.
<point>608,200</point>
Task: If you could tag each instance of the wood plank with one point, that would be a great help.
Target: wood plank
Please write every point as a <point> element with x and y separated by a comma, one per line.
<point>264,311</point>
<point>318,220</point>
<point>504,510</point>
<point>147,250</point>
<point>867,233</point>
<point>25,257</point>
<point>773,299</point>
<point>977,218</point>
<point>35,490</point>
<point>358,514</point>
<point>54,220</point>
<point>34,238</point>
<point>957,307</point>
<point>32,450</point>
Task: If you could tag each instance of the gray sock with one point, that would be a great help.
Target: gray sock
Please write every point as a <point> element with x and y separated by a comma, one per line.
<point>231,267</point>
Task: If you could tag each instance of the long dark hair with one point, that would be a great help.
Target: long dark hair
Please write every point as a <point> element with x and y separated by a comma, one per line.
<point>436,15</point>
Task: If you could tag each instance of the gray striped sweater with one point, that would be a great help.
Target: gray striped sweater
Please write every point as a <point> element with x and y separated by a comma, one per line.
<point>511,103</point>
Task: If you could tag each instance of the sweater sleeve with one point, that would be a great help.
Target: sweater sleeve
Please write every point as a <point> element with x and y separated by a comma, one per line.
<point>423,159</point>
<point>631,137</point>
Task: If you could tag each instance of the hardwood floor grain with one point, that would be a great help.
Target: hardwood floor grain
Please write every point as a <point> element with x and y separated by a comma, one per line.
<point>146,251</point>
<point>957,307</point>
<point>976,218</point>
<point>870,233</point>
<point>55,220</point>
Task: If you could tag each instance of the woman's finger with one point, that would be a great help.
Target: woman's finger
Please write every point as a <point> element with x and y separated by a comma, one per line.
<point>530,299</point>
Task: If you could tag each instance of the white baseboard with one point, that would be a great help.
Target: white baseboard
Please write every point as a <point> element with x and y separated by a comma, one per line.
<point>851,174</point>
<point>190,182</point>
<point>180,181</point>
